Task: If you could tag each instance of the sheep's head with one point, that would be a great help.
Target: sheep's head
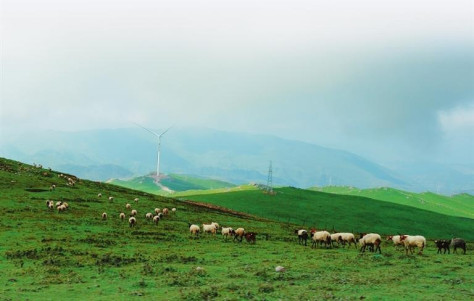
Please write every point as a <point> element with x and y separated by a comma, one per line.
<point>403,237</point>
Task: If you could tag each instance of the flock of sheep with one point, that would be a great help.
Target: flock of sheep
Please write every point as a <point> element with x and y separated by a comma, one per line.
<point>374,240</point>
<point>132,221</point>
<point>213,227</point>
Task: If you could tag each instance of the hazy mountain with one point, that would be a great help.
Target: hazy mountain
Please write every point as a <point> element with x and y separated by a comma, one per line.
<point>234,157</point>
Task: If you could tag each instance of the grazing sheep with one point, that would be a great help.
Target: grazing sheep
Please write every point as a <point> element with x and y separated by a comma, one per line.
<point>396,240</point>
<point>347,238</point>
<point>160,215</point>
<point>66,205</point>
<point>443,245</point>
<point>302,236</point>
<point>412,241</point>
<point>48,203</point>
<point>215,225</point>
<point>173,210</point>
<point>99,195</point>
<point>239,233</point>
<point>226,232</point>
<point>58,204</point>
<point>165,211</point>
<point>134,212</point>
<point>132,221</point>
<point>335,238</point>
<point>51,205</point>
<point>122,216</point>
<point>458,243</point>
<point>111,198</point>
<point>208,228</point>
<point>149,215</point>
<point>104,216</point>
<point>371,239</point>
<point>194,229</point>
<point>279,269</point>
<point>61,208</point>
<point>156,219</point>
<point>321,237</point>
<point>157,210</point>
<point>128,206</point>
<point>136,200</point>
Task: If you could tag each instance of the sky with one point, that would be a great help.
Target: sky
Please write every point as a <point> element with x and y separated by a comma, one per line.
<point>389,80</point>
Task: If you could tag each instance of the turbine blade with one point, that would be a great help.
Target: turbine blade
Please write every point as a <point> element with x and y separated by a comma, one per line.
<point>165,131</point>
<point>147,129</point>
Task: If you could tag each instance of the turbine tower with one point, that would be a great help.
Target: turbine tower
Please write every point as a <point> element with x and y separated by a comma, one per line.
<point>159,148</point>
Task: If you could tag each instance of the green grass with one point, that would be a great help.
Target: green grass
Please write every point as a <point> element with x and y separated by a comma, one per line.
<point>45,255</point>
<point>457,205</point>
<point>174,182</point>
<point>341,212</point>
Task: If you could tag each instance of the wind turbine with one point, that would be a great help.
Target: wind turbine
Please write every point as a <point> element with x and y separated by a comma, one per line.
<point>159,148</point>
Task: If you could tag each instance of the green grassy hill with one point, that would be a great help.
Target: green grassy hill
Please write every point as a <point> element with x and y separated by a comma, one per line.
<point>341,212</point>
<point>173,182</point>
<point>46,255</point>
<point>456,205</point>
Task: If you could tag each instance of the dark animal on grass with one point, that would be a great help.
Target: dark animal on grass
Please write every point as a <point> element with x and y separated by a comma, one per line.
<point>251,237</point>
<point>302,236</point>
<point>458,243</point>
<point>443,245</point>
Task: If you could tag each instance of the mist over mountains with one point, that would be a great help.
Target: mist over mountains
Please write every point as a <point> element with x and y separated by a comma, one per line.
<point>228,156</point>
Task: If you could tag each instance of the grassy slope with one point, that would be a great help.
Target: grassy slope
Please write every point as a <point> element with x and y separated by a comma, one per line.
<point>75,255</point>
<point>174,182</point>
<point>344,213</point>
<point>457,205</point>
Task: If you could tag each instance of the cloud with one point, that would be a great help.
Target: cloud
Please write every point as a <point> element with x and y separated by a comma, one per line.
<point>366,76</point>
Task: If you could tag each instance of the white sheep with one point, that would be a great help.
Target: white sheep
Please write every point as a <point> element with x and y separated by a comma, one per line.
<point>208,228</point>
<point>321,237</point>
<point>58,204</point>
<point>412,241</point>
<point>104,216</point>
<point>61,208</point>
<point>99,195</point>
<point>347,238</point>
<point>122,216</point>
<point>157,210</point>
<point>194,229</point>
<point>173,210</point>
<point>156,219</point>
<point>239,233</point>
<point>335,238</point>
<point>226,232</point>
<point>165,211</point>
<point>66,205</point>
<point>396,240</point>
<point>111,198</point>
<point>134,212</point>
<point>128,206</point>
<point>149,215</point>
<point>132,221</point>
<point>136,200</point>
<point>371,239</point>
<point>215,225</point>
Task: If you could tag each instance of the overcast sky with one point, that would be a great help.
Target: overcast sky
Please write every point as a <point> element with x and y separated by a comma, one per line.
<point>389,80</point>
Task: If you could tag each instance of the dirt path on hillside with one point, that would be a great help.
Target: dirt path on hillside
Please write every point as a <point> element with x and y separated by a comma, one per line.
<point>223,209</point>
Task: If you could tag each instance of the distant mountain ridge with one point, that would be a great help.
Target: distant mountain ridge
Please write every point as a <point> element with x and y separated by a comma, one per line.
<point>231,157</point>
